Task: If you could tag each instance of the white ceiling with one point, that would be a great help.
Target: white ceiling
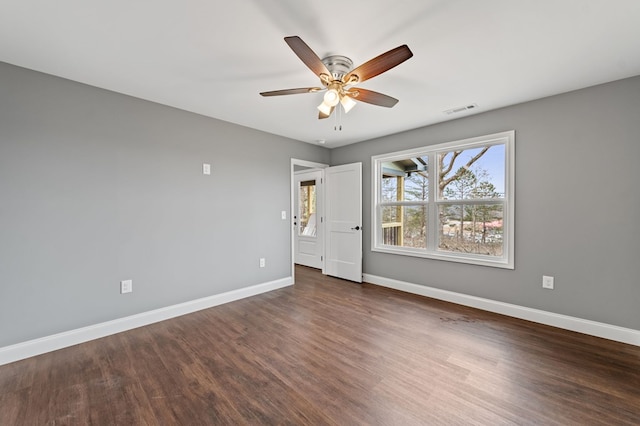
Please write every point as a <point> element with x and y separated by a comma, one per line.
<point>214,57</point>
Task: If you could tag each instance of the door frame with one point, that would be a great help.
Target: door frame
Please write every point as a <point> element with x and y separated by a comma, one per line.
<point>311,166</point>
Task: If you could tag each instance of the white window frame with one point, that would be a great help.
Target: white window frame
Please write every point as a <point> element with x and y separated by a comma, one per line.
<point>508,202</point>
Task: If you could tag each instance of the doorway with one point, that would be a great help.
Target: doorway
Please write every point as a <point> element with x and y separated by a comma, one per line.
<point>298,167</point>
<point>338,217</point>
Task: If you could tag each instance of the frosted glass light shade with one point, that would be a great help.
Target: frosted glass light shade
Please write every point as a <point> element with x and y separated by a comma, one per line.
<point>331,98</point>
<point>324,108</point>
<point>347,103</point>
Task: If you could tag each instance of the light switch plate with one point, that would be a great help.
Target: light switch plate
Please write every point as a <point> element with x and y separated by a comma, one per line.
<point>126,286</point>
<point>206,169</point>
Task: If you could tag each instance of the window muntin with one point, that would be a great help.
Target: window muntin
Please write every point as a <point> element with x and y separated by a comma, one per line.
<point>470,218</point>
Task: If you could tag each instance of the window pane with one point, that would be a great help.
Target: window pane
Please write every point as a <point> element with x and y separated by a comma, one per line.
<point>471,229</point>
<point>405,180</point>
<point>476,173</point>
<point>307,208</point>
<point>416,187</point>
<point>390,188</point>
<point>404,226</point>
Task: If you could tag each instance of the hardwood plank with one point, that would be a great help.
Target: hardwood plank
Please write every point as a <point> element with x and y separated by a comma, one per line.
<point>326,351</point>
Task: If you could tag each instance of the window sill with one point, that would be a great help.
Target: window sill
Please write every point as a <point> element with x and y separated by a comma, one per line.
<point>449,257</point>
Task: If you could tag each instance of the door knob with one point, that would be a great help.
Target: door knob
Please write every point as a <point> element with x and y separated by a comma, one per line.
<point>357,228</point>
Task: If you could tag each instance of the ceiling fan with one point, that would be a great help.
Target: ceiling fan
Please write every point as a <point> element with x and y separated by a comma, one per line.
<point>338,77</point>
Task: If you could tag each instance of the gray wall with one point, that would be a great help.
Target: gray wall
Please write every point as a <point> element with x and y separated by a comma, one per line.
<point>577,205</point>
<point>97,187</point>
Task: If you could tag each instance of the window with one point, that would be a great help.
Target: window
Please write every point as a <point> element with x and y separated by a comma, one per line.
<point>307,208</point>
<point>452,201</point>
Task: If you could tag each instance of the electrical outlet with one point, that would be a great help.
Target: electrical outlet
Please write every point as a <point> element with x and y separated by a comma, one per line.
<point>547,282</point>
<point>126,286</point>
<point>263,262</point>
<point>206,169</point>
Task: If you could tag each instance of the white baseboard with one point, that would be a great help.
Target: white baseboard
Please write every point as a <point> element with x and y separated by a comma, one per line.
<point>593,328</point>
<point>73,337</point>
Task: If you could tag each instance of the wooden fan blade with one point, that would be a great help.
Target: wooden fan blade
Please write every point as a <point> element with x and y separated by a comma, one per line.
<point>379,64</point>
<point>321,115</point>
<point>371,97</point>
<point>292,91</point>
<point>307,55</point>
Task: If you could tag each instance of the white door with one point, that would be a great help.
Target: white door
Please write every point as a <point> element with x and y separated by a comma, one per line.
<point>308,233</point>
<point>343,203</point>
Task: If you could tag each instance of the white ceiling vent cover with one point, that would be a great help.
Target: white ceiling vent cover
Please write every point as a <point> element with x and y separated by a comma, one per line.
<point>460,109</point>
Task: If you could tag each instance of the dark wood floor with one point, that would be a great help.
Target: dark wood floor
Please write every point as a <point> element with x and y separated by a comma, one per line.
<point>327,351</point>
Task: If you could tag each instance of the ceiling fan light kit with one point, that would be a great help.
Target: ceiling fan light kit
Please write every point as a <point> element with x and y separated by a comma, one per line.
<point>337,76</point>
<point>325,109</point>
<point>347,103</point>
<point>332,97</point>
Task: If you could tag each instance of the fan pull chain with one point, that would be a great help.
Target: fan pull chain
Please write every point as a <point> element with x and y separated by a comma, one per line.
<point>338,119</point>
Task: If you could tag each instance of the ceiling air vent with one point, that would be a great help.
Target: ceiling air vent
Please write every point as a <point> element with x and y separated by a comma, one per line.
<point>460,109</point>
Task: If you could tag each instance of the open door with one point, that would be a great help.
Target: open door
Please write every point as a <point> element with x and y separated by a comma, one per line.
<point>343,212</point>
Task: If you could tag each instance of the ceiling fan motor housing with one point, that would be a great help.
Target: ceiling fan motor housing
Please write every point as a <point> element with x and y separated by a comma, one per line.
<point>338,65</point>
